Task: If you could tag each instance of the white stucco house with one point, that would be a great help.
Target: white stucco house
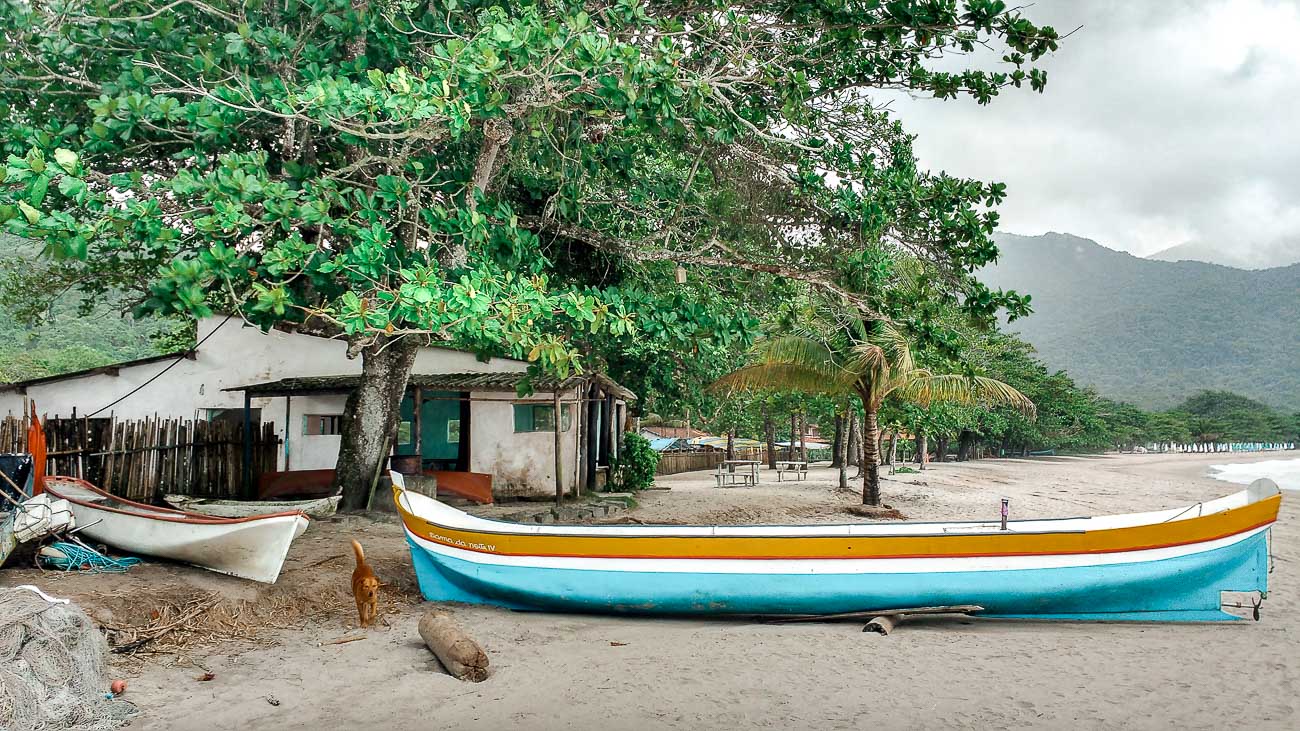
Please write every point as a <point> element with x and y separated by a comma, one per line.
<point>469,418</point>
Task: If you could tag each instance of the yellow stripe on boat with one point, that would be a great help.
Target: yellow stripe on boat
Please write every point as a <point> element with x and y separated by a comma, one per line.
<point>1175,532</point>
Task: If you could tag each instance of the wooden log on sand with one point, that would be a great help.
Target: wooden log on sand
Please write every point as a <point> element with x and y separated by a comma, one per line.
<point>884,624</point>
<point>457,651</point>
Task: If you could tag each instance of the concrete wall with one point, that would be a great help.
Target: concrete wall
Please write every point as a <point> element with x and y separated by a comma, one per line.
<point>521,463</point>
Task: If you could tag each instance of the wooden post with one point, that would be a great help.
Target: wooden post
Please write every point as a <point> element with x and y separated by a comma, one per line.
<point>559,453</point>
<point>288,428</point>
<point>248,445</point>
<point>591,442</point>
<point>579,424</point>
<point>417,402</point>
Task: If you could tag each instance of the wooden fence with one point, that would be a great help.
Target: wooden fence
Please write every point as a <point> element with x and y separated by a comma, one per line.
<point>141,459</point>
<point>671,463</point>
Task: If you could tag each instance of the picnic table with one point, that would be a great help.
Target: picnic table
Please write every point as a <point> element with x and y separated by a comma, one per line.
<point>790,466</point>
<point>737,472</point>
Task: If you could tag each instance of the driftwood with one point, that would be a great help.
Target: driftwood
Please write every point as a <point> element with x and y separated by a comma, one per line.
<point>877,613</point>
<point>884,624</point>
<point>457,651</point>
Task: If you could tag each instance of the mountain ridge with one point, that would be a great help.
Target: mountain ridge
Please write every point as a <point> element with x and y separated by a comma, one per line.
<point>1154,332</point>
<point>1270,257</point>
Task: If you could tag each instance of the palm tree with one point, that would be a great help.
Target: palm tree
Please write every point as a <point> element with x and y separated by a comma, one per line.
<point>872,361</point>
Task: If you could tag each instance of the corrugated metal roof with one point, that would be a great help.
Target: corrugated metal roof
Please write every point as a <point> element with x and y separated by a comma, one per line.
<point>111,370</point>
<point>469,382</point>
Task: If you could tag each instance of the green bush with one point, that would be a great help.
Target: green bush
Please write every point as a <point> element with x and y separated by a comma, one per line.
<point>635,467</point>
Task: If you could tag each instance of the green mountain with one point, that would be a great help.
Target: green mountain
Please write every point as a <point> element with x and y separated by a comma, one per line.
<point>1155,332</point>
<point>67,338</point>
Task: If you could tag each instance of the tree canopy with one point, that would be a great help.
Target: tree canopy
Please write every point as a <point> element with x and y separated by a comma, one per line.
<point>502,177</point>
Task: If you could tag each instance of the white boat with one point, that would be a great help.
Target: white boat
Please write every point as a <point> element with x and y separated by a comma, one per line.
<point>250,548</point>
<point>319,508</point>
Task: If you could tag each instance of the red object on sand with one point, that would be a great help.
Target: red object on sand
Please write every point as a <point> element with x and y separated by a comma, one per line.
<point>473,486</point>
<point>118,687</point>
<point>303,484</point>
<point>36,448</point>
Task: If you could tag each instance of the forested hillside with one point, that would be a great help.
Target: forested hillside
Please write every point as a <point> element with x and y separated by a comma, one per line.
<point>1153,332</point>
<point>38,340</point>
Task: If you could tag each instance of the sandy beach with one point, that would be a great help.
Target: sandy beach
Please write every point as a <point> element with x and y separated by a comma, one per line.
<point>584,672</point>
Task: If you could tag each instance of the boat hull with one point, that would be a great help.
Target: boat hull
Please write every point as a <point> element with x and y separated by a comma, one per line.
<point>320,508</point>
<point>1183,588</point>
<point>1169,568</point>
<point>249,548</point>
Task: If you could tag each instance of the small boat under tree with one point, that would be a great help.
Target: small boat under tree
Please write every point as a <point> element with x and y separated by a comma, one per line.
<point>318,508</point>
<point>250,548</point>
<point>1169,565</point>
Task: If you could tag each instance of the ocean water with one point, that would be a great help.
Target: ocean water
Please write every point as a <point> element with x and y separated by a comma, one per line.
<point>1285,472</point>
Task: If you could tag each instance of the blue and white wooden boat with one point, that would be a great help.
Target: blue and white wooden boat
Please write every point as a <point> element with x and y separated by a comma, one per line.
<point>1171,565</point>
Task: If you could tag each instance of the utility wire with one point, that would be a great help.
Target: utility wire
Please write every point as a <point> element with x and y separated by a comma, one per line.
<point>159,374</point>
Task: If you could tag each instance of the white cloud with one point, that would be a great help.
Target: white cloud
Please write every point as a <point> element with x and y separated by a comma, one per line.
<point>1163,123</point>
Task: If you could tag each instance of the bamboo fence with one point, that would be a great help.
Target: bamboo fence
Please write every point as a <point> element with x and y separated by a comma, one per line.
<point>141,459</point>
<point>671,463</point>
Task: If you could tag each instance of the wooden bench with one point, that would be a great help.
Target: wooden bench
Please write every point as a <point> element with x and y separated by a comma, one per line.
<point>789,467</point>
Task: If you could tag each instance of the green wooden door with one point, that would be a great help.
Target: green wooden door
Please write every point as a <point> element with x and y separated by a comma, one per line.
<point>440,424</point>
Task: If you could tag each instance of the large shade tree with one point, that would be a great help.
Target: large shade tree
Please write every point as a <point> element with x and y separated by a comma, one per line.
<point>394,171</point>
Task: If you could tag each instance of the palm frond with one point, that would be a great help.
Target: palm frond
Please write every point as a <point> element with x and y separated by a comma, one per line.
<point>895,346</point>
<point>925,389</point>
<point>795,350</point>
<point>790,362</point>
<point>868,360</point>
<point>783,376</point>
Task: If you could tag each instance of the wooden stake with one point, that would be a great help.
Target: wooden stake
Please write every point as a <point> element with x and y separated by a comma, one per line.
<point>559,454</point>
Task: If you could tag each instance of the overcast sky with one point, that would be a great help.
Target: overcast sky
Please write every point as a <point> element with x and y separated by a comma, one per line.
<point>1164,122</point>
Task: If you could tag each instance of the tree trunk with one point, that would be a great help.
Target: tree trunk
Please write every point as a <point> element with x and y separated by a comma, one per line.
<point>922,450</point>
<point>803,437</point>
<point>837,453</point>
<point>731,444</point>
<point>871,470</point>
<point>841,458</point>
<point>965,441</point>
<point>893,450</point>
<point>370,418</point>
<point>769,432</point>
<point>941,449</point>
<point>855,440</point>
<point>794,428</point>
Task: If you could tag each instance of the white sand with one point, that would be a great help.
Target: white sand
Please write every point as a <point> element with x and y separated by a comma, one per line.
<point>562,672</point>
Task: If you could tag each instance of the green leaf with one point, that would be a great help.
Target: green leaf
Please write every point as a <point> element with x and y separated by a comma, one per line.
<point>39,187</point>
<point>31,214</point>
<point>71,187</point>
<point>67,159</point>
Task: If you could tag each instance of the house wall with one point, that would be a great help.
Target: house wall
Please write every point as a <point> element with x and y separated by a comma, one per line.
<point>232,354</point>
<point>305,452</point>
<point>521,463</point>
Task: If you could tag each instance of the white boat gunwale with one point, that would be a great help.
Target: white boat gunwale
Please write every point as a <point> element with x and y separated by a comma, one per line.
<point>141,510</point>
<point>474,524</point>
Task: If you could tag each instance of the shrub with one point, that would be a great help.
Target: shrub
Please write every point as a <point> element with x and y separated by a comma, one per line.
<point>634,469</point>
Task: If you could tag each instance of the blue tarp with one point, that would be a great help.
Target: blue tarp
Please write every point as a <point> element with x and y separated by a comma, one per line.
<point>660,444</point>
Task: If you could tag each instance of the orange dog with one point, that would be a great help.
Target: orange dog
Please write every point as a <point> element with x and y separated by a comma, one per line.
<point>365,587</point>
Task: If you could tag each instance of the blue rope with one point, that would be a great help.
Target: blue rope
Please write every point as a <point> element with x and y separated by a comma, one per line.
<point>78,556</point>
